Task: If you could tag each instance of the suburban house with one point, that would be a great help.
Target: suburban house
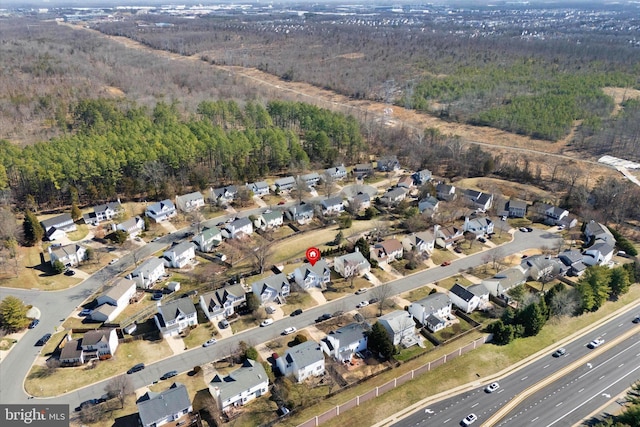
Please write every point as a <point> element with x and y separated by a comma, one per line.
<point>301,213</point>
<point>596,232</point>
<point>400,327</point>
<point>405,182</point>
<point>343,343</point>
<point>572,259</point>
<point>388,164</point>
<point>313,276</point>
<point>353,264</point>
<point>132,226</point>
<point>69,255</point>
<point>302,361</point>
<point>336,173</point>
<point>190,202</point>
<point>539,267</point>
<point>148,273</point>
<point>208,239</point>
<point>180,255</point>
<point>222,303</point>
<point>96,344</point>
<point>428,204</point>
<point>360,201</point>
<point>223,195</point>
<point>310,179</point>
<point>259,188</point>
<point>394,195</point>
<point>285,184</point>
<point>57,227</point>
<point>269,220</point>
<point>388,250</point>
<point>478,226</point>
<point>552,215</point>
<point>271,288</point>
<point>424,241</point>
<point>175,316</point>
<point>115,299</point>
<point>332,206</point>
<point>101,213</point>
<point>481,292</point>
<point>464,299</point>
<point>600,253</point>
<point>362,170</point>
<point>448,236</point>
<point>169,406</point>
<point>478,199</point>
<point>240,386</point>
<point>516,208</point>
<point>161,211</point>
<point>445,192</point>
<point>506,279</point>
<point>239,228</point>
<point>421,177</point>
<point>432,311</point>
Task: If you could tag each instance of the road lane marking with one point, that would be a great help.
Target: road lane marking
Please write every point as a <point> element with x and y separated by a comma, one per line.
<point>545,366</point>
<point>447,420</point>
<point>500,391</point>
<point>535,419</point>
<point>522,379</point>
<point>475,404</point>
<point>581,390</point>
<point>621,365</point>
<point>600,378</point>
<point>558,404</point>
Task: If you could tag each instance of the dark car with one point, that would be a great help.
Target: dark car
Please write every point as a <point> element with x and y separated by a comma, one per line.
<point>42,341</point>
<point>70,273</point>
<point>33,323</point>
<point>636,319</point>
<point>324,317</point>
<point>224,324</point>
<point>136,368</point>
<point>156,296</point>
<point>374,300</point>
<point>296,312</point>
<point>482,240</point>
<point>168,375</point>
<point>87,403</point>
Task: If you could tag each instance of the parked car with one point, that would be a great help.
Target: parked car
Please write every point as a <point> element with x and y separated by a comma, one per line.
<point>324,317</point>
<point>289,330</point>
<point>361,291</point>
<point>492,387</point>
<point>136,368</point>
<point>42,341</point>
<point>559,352</point>
<point>281,202</point>
<point>362,304</point>
<point>222,257</point>
<point>70,273</point>
<point>85,312</point>
<point>525,229</point>
<point>296,312</point>
<point>469,419</point>
<point>34,323</point>
<point>595,343</point>
<point>446,263</point>
<point>482,240</point>
<point>156,296</point>
<point>457,250</point>
<point>374,300</point>
<point>113,261</point>
<point>168,375</point>
<point>212,341</point>
<point>224,324</point>
<point>636,319</point>
<point>87,403</point>
<point>266,322</point>
<point>269,309</point>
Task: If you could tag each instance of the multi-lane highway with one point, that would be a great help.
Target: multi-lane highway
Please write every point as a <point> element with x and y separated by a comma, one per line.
<point>573,391</point>
<point>56,306</point>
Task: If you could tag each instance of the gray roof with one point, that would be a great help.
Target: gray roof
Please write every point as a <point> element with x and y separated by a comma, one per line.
<point>444,188</point>
<point>603,247</point>
<point>147,267</point>
<point>332,201</point>
<point>318,268</point>
<point>236,291</point>
<point>172,309</point>
<point>115,206</point>
<point>392,193</point>
<point>94,337</point>
<point>190,197</point>
<point>461,292</point>
<point>242,379</point>
<point>434,320</point>
<point>71,350</point>
<point>258,185</point>
<point>120,288</point>
<point>240,223</point>
<point>154,407</point>
<point>310,176</point>
<point>158,207</point>
<point>517,204</point>
<point>56,220</point>
<point>351,333</point>
<point>181,248</point>
<point>435,301</point>
<point>353,258</point>
<point>287,180</point>
<point>301,208</point>
<point>478,290</point>
<point>65,251</point>
<point>338,170</point>
<point>210,233</point>
<point>130,223</point>
<point>304,354</point>
<point>398,320</point>
<point>276,282</point>
<point>270,216</point>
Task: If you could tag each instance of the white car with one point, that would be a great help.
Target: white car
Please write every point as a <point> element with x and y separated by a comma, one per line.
<point>362,304</point>
<point>595,343</point>
<point>469,419</point>
<point>266,322</point>
<point>212,341</point>
<point>492,387</point>
<point>361,291</point>
<point>113,261</point>
<point>289,330</point>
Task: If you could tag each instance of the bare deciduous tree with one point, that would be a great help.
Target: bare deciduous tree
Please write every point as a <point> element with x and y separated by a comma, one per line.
<point>119,387</point>
<point>383,293</point>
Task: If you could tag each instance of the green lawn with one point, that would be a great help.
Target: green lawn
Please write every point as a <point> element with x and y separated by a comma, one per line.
<point>200,334</point>
<point>418,293</point>
<point>413,351</point>
<point>450,281</point>
<point>452,331</point>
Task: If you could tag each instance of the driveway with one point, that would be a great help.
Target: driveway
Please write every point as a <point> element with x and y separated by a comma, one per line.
<point>317,295</point>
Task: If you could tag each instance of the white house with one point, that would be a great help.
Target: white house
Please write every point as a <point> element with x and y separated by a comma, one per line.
<point>332,206</point>
<point>240,386</point>
<point>169,406</point>
<point>464,299</point>
<point>271,288</point>
<point>445,192</point>
<point>175,316</point>
<point>161,211</point>
<point>394,195</point>
<point>223,195</point>
<point>190,202</point>
<point>388,251</point>
<point>269,220</point>
<point>360,201</point>
<point>313,276</point>
<point>516,208</point>
<point>478,226</point>
<point>239,228</point>
<point>343,343</point>
<point>481,292</point>
<point>301,213</point>
<point>302,361</point>
<point>259,188</point>
<point>478,199</point>
<point>423,242</point>
<point>351,264</point>
<point>432,311</point>
<point>102,342</point>
<point>421,177</point>
<point>600,253</point>
<point>132,226</point>
<point>58,226</point>
<point>572,259</point>
<point>429,203</point>
<point>285,184</point>
<point>117,296</point>
<point>101,213</point>
<point>598,232</point>
<point>388,164</point>
<point>337,173</point>
<point>310,179</point>
<point>69,255</point>
<point>180,255</point>
<point>400,327</point>
<point>208,239</point>
<point>148,273</point>
<point>222,303</point>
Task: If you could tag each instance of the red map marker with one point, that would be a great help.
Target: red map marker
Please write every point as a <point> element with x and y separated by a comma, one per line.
<point>313,256</point>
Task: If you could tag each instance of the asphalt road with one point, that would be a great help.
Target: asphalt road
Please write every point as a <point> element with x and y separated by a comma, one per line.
<point>452,410</point>
<point>56,306</point>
